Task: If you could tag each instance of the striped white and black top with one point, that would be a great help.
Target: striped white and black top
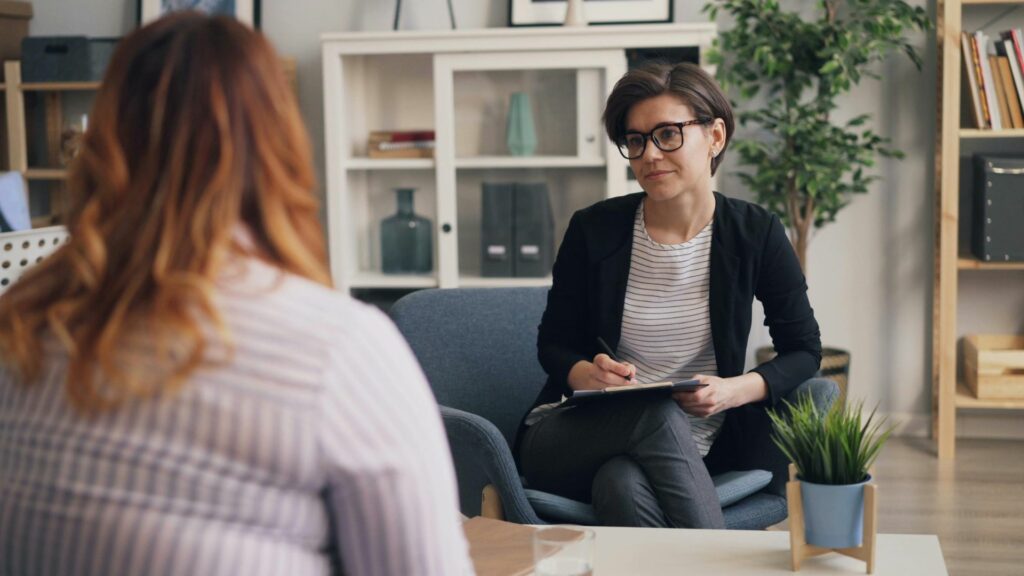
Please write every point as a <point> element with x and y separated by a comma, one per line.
<point>319,433</point>
<point>666,321</point>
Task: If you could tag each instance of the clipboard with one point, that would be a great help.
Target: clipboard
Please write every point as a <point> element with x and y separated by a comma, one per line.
<point>666,388</point>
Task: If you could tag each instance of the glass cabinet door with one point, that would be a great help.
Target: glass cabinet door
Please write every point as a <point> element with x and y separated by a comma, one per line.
<point>520,148</point>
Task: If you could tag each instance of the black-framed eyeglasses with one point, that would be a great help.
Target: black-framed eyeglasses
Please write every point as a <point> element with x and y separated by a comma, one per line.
<point>667,137</point>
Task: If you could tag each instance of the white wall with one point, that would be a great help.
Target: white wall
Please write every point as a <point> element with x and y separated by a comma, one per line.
<point>870,273</point>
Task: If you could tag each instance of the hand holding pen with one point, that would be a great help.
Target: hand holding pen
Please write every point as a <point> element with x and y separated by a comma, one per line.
<point>616,367</point>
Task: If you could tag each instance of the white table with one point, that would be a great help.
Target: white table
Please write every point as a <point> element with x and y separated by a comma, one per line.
<point>659,551</point>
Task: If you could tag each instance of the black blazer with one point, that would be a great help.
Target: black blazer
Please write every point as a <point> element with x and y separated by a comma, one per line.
<point>750,257</point>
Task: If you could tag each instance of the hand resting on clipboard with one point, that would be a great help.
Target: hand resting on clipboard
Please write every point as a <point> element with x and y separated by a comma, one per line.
<point>667,388</point>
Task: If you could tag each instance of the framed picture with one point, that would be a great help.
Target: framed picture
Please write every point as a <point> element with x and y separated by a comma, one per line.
<point>552,12</point>
<point>247,11</point>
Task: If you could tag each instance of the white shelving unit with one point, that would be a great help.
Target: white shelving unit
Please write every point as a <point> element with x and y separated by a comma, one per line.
<point>458,83</point>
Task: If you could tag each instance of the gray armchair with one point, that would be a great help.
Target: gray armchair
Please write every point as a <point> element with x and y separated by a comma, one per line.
<point>478,350</point>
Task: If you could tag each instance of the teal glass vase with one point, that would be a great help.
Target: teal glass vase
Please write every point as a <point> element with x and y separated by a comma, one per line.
<point>521,136</point>
<point>406,245</point>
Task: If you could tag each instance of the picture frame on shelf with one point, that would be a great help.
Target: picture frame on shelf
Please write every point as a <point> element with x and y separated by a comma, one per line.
<point>246,11</point>
<point>552,12</point>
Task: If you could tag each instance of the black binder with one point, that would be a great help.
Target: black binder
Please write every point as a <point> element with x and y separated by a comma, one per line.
<point>997,233</point>
<point>534,231</point>
<point>496,225</point>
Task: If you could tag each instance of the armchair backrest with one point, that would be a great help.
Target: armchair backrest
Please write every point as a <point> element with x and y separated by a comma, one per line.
<point>478,348</point>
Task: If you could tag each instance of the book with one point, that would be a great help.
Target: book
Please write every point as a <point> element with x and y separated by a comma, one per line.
<point>970,72</point>
<point>1015,71</point>
<point>1005,121</point>
<point>401,144</point>
<point>1010,91</point>
<point>991,94</point>
<point>586,396</point>
<point>980,77</point>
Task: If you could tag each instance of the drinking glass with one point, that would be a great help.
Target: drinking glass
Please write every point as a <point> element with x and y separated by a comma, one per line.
<point>563,551</point>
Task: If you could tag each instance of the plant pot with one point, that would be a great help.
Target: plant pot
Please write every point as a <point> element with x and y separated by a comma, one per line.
<point>833,514</point>
<point>835,365</point>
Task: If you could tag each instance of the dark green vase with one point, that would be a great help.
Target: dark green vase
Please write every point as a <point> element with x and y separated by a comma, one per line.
<point>405,242</point>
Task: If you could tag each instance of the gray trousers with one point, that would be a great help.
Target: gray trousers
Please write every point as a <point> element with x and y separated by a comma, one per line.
<point>634,459</point>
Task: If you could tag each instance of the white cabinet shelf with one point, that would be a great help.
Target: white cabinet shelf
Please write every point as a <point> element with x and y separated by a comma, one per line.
<point>390,164</point>
<point>492,162</point>
<point>458,85</point>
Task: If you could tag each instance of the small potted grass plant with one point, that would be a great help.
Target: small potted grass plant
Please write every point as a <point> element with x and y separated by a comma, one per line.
<point>832,451</point>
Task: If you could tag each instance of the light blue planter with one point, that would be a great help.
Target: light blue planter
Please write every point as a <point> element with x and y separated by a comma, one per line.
<point>833,515</point>
<point>520,135</point>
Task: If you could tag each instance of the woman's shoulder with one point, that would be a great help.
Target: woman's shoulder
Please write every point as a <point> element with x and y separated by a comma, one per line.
<point>746,218</point>
<point>293,302</point>
<point>743,211</point>
<point>611,208</point>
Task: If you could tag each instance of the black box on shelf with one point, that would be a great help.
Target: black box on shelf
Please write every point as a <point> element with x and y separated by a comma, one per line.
<point>65,58</point>
<point>496,228</point>
<point>534,231</point>
<point>516,230</point>
<point>997,232</point>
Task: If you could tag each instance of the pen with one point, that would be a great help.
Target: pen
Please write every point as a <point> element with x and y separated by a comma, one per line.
<point>608,350</point>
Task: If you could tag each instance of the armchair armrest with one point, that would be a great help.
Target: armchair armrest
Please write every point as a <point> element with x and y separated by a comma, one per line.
<point>821,390</point>
<point>482,457</point>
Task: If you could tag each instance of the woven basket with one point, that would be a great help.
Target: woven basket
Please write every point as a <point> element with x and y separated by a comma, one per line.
<point>835,365</point>
<point>21,250</point>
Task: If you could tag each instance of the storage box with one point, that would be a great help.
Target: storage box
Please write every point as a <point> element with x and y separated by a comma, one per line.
<point>994,366</point>
<point>19,251</point>
<point>65,58</point>
<point>14,18</point>
<point>997,234</point>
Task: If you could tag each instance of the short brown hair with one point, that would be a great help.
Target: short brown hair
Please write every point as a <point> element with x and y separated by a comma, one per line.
<point>686,81</point>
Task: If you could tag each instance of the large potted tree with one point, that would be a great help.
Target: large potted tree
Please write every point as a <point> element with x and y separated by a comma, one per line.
<point>789,68</point>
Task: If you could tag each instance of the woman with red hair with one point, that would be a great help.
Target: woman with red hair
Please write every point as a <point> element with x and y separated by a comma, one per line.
<point>181,391</point>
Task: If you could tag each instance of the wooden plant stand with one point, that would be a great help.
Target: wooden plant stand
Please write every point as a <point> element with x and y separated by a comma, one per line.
<point>799,547</point>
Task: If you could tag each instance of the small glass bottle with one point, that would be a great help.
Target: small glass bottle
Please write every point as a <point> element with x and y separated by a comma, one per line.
<point>405,239</point>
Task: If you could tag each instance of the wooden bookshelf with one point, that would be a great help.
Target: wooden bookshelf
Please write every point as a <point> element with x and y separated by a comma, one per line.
<point>948,394</point>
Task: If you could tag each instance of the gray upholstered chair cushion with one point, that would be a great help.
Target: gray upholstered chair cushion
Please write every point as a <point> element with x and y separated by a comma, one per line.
<point>734,486</point>
<point>560,509</point>
<point>731,487</point>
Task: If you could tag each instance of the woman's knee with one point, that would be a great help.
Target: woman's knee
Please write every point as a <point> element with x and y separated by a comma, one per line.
<point>622,495</point>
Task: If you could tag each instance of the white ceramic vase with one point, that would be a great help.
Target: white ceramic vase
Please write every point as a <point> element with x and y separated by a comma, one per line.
<point>574,15</point>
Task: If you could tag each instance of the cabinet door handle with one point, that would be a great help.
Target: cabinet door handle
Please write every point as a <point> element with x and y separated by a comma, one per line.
<point>446,227</point>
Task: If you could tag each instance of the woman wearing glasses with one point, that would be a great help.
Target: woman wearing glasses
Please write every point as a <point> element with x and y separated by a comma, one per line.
<point>666,277</point>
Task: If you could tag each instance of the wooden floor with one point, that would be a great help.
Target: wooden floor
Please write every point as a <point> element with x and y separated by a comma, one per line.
<point>975,504</point>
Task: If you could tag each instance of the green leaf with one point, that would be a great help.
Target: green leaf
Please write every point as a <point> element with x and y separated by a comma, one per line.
<point>789,64</point>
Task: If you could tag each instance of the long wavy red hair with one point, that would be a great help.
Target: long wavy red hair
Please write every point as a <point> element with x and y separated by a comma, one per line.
<point>194,136</point>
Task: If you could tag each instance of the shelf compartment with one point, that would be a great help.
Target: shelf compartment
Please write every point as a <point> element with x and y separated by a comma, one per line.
<point>964,399</point>
<point>391,164</point>
<point>968,263</point>
<point>989,2</point>
<point>976,133</point>
<point>381,280</point>
<point>59,86</point>
<point>569,189</point>
<point>497,162</point>
<point>46,174</point>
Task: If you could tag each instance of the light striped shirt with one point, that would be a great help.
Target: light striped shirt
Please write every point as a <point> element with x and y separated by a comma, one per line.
<point>666,321</point>
<point>318,440</point>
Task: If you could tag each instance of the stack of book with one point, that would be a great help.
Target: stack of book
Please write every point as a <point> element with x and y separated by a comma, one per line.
<point>994,68</point>
<point>401,144</point>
